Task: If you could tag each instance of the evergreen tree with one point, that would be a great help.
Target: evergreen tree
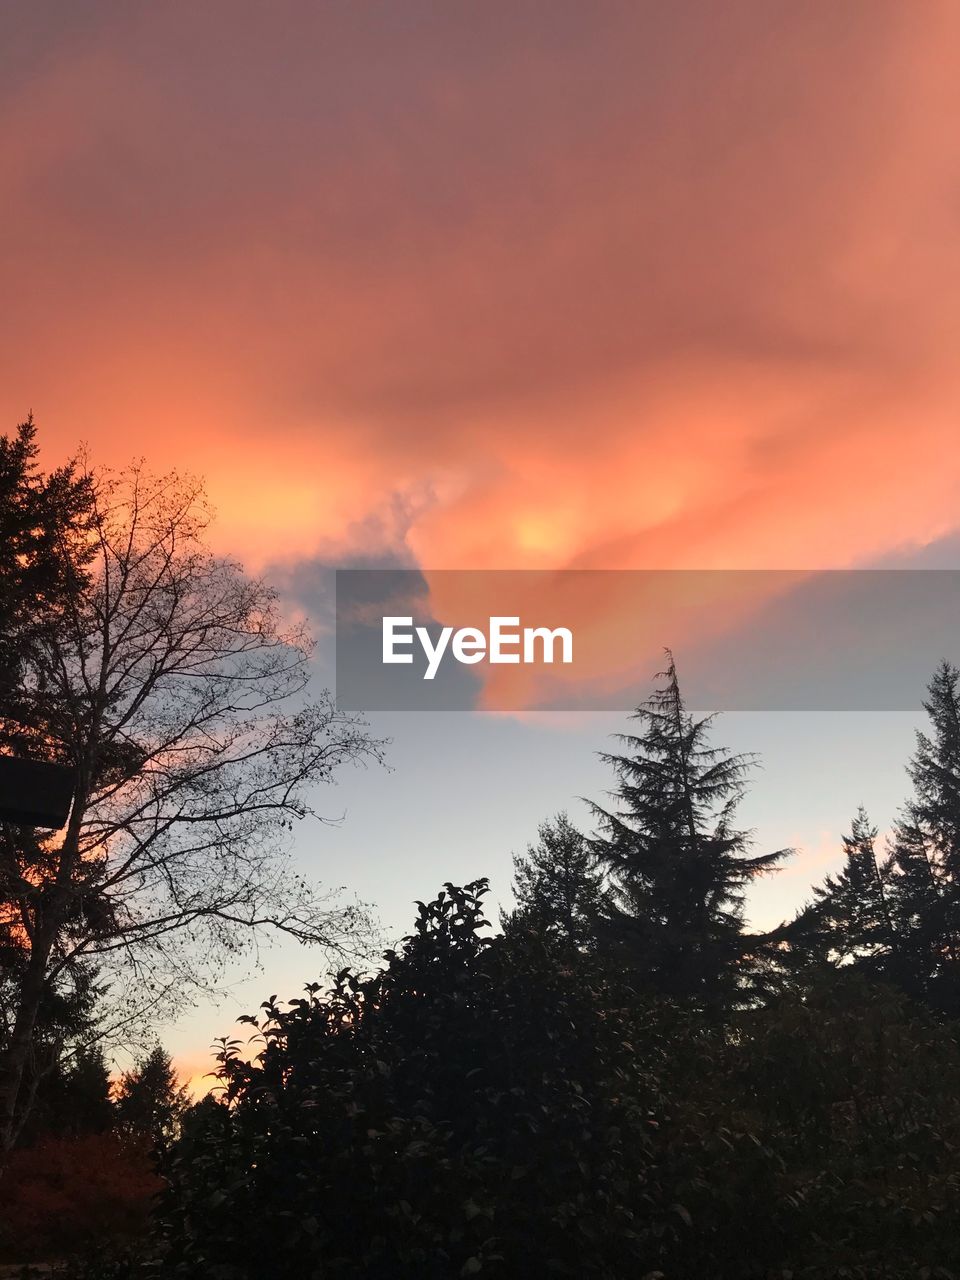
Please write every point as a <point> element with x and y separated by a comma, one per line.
<point>151,1100</point>
<point>925,891</point>
<point>45,521</point>
<point>558,885</point>
<point>678,867</point>
<point>850,915</point>
<point>917,907</point>
<point>60,1080</point>
<point>935,774</point>
<point>74,1099</point>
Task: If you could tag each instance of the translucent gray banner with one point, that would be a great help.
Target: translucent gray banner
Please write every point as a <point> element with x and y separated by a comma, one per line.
<point>591,640</point>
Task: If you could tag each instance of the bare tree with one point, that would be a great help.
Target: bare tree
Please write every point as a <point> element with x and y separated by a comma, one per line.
<point>182,701</point>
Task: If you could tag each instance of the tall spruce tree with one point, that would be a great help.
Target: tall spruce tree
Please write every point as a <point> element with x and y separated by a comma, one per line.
<point>45,541</point>
<point>74,1099</point>
<point>677,866</point>
<point>935,773</point>
<point>558,885</point>
<point>151,1100</point>
<point>850,919</point>
<point>925,890</point>
<point>45,522</point>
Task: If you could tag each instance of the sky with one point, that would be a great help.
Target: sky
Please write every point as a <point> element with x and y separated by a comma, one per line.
<point>542,285</point>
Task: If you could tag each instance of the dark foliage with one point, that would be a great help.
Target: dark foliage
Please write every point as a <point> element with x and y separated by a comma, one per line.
<point>70,1195</point>
<point>479,1109</point>
<point>475,1106</point>
<point>73,1099</point>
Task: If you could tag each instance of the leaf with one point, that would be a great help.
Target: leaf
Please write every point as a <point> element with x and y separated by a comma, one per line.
<point>471,1267</point>
<point>682,1213</point>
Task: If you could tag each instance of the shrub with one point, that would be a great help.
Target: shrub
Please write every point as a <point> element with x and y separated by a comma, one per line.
<point>503,1107</point>
<point>65,1195</point>
<point>478,1105</point>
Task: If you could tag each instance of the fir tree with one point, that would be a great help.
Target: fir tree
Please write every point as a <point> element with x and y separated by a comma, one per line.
<point>44,526</point>
<point>67,1082</point>
<point>850,913</point>
<point>925,891</point>
<point>150,1099</point>
<point>678,867</point>
<point>75,1098</point>
<point>935,774</point>
<point>558,885</point>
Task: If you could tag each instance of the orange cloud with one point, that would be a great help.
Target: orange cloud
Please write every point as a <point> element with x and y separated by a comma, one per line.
<point>634,288</point>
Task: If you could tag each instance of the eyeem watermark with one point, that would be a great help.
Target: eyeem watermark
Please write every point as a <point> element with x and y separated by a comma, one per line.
<point>504,642</point>
<point>593,640</point>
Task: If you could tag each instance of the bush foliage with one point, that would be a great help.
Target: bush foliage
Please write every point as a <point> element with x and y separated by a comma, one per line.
<point>502,1107</point>
<point>472,1106</point>
<point>66,1195</point>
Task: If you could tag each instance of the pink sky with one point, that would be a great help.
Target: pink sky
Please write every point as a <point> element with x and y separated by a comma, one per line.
<point>628,285</point>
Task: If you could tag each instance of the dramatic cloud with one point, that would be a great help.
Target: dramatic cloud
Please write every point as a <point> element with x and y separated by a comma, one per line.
<point>601,285</point>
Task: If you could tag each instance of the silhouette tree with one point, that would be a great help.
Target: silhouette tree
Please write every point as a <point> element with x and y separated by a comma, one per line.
<point>63,1045</point>
<point>678,868</point>
<point>44,522</point>
<point>850,919</point>
<point>935,774</point>
<point>180,698</point>
<point>558,885</point>
<point>150,1100</point>
<point>75,1098</point>
<point>925,854</point>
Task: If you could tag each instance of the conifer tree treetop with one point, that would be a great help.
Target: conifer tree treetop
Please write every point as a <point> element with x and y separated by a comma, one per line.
<point>678,865</point>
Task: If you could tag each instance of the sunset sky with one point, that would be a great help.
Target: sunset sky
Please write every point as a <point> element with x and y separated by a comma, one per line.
<point>449,285</point>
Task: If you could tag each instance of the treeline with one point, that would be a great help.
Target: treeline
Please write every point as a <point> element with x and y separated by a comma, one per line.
<point>83,1172</point>
<point>624,1081</point>
<point>662,884</point>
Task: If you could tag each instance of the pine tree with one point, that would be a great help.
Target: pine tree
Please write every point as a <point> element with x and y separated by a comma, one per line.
<point>44,525</point>
<point>935,774</point>
<point>678,867</point>
<point>75,1098</point>
<point>925,855</point>
<point>558,885</point>
<point>150,1099</point>
<point>67,1083</point>
<point>850,914</point>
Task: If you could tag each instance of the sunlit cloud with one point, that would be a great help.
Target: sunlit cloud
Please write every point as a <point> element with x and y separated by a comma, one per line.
<point>561,313</point>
